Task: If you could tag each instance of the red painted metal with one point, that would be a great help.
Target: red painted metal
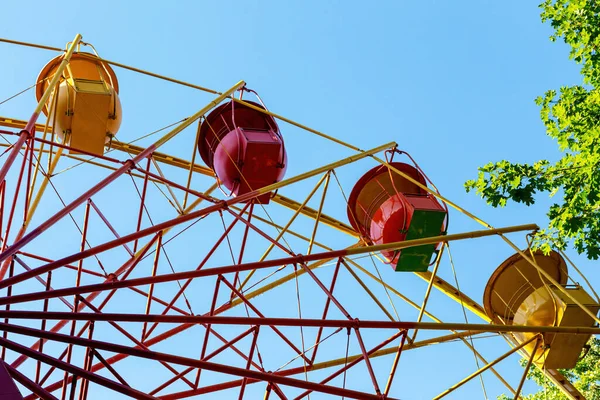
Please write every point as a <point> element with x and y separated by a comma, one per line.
<point>11,271</point>
<point>109,226</point>
<point>13,207</point>
<point>151,288</point>
<point>176,185</point>
<point>46,259</point>
<point>261,232</point>
<point>248,363</point>
<point>244,147</point>
<point>325,310</point>
<point>78,151</point>
<point>2,191</point>
<point>127,165</point>
<point>29,384</point>
<point>236,278</point>
<point>189,320</point>
<point>87,364</point>
<point>23,136</point>
<point>200,266</point>
<point>206,358</point>
<point>156,279</point>
<point>260,315</point>
<point>128,267</point>
<point>74,370</point>
<point>8,389</point>
<point>142,204</point>
<point>28,192</point>
<point>38,369</point>
<point>152,355</point>
<point>117,327</point>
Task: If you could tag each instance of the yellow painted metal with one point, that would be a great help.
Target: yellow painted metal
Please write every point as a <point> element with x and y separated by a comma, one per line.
<point>284,229</point>
<point>442,238</point>
<point>366,289</point>
<point>439,283</point>
<point>429,286</point>
<point>483,369</point>
<point>432,192</point>
<point>283,280</point>
<point>293,217</point>
<point>563,255</point>
<point>41,190</point>
<point>162,77</point>
<point>428,314</point>
<point>19,124</point>
<point>548,306</point>
<point>515,279</point>
<point>159,170</point>
<point>565,386</point>
<point>553,281</point>
<point>312,213</point>
<point>289,121</point>
<point>190,208</point>
<point>325,168</point>
<point>393,349</point>
<point>319,212</point>
<point>88,161</point>
<point>527,367</point>
<point>199,114</point>
<point>279,227</point>
<point>163,158</point>
<point>190,169</point>
<point>88,111</point>
<point>57,75</point>
<point>38,46</point>
<point>359,248</point>
<point>456,295</point>
<point>40,152</point>
<point>116,64</point>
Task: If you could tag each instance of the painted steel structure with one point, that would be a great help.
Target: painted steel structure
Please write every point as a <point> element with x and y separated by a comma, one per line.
<point>199,325</point>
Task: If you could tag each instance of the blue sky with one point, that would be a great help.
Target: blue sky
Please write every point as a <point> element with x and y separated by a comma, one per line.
<point>453,83</point>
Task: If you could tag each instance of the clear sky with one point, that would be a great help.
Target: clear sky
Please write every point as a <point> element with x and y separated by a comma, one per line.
<point>453,83</point>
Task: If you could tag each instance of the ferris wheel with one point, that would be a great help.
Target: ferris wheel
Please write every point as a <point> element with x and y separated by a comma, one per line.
<point>208,271</point>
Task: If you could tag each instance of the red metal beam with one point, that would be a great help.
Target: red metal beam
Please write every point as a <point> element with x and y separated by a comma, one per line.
<point>100,380</point>
<point>23,136</point>
<point>127,166</point>
<point>236,383</point>
<point>151,355</point>
<point>354,362</point>
<point>200,266</point>
<point>190,320</point>
<point>260,315</point>
<point>127,268</point>
<point>157,279</point>
<point>29,384</point>
<point>208,357</point>
<point>325,310</point>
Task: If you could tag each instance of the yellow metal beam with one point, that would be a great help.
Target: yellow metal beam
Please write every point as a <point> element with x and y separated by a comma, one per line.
<point>57,75</point>
<point>392,349</point>
<point>483,369</point>
<point>312,213</point>
<point>455,294</point>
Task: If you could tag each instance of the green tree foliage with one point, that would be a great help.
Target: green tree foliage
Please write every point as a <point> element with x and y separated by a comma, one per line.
<point>572,117</point>
<point>585,376</point>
